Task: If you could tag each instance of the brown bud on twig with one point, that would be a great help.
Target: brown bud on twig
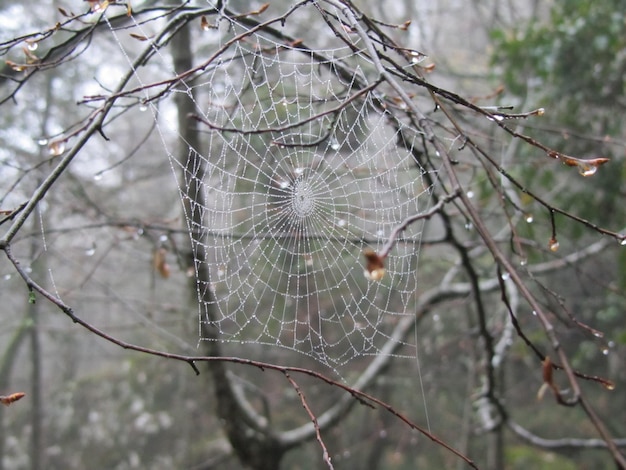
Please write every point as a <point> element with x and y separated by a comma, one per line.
<point>374,265</point>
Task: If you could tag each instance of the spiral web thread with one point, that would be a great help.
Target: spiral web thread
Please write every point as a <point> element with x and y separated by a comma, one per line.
<point>303,172</point>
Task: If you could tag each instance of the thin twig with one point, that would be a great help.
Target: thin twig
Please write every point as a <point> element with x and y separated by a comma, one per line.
<point>398,229</point>
<point>306,406</point>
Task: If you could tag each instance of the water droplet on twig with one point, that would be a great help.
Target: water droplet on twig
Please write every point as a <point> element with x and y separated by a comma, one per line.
<point>56,148</point>
<point>609,385</point>
<point>205,25</point>
<point>587,170</point>
<point>417,57</point>
<point>553,244</point>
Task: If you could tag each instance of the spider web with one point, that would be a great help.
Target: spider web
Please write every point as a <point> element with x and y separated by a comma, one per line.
<point>301,171</point>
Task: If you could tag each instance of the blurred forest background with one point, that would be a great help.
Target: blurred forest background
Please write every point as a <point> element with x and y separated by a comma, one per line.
<point>111,240</point>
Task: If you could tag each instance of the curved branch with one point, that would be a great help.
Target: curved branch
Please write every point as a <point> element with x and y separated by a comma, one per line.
<point>566,444</point>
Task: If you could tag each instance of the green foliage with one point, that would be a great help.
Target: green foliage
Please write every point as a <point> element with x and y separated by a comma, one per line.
<point>579,56</point>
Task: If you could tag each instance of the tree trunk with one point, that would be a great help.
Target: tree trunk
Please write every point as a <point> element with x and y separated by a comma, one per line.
<point>257,448</point>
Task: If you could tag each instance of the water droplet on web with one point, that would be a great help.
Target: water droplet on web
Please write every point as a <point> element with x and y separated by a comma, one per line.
<point>470,194</point>
<point>43,141</point>
<point>298,171</point>
<point>534,312</point>
<point>605,350</point>
<point>553,244</point>
<point>163,238</point>
<point>523,262</point>
<point>90,251</point>
<point>56,148</point>
<point>97,177</point>
<point>380,233</point>
<point>468,226</point>
<point>334,144</point>
<point>341,222</point>
<point>505,276</point>
<point>6,277</point>
<point>529,218</point>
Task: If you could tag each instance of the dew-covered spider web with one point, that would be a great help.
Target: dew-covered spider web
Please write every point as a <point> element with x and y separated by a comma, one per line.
<point>304,166</point>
